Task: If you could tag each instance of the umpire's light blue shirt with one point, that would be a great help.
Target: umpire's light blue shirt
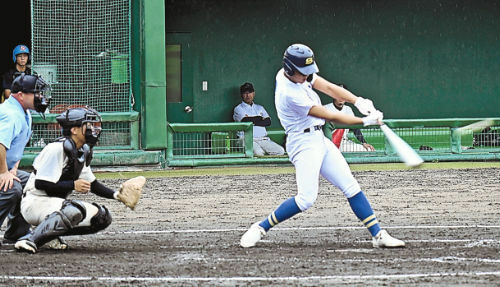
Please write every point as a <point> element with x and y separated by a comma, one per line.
<point>15,129</point>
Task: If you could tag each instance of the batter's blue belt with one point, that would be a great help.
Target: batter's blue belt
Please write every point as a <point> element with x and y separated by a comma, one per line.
<point>315,128</point>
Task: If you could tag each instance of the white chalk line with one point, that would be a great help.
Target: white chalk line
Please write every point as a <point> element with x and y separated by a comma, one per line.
<point>445,259</point>
<point>297,228</point>
<point>472,242</point>
<point>327,228</point>
<point>251,278</point>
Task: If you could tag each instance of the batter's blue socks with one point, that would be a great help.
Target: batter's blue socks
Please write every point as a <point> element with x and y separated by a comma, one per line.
<point>363,210</point>
<point>286,210</point>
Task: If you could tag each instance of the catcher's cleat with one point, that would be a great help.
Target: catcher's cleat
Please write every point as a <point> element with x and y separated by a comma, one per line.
<point>25,246</point>
<point>57,244</point>
<point>253,235</point>
<point>384,240</point>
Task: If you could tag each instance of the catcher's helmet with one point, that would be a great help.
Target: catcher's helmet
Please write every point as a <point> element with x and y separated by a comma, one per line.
<point>19,49</point>
<point>299,57</point>
<point>77,117</point>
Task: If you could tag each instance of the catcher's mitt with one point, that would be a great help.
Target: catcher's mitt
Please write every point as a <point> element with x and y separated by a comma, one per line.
<point>130,191</point>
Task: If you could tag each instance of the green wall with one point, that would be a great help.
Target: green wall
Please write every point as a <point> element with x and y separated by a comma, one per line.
<point>414,59</point>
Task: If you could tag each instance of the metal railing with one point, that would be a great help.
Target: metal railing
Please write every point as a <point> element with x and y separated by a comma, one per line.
<point>433,139</point>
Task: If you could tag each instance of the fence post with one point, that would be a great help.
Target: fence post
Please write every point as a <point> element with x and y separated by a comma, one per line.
<point>249,141</point>
<point>456,141</point>
<point>170,144</point>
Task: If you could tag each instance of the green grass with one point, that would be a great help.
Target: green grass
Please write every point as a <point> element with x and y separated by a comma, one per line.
<point>283,169</point>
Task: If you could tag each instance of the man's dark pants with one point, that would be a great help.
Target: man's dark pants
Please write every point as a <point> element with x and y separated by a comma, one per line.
<point>10,207</point>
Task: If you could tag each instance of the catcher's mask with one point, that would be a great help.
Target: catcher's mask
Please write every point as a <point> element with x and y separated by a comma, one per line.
<point>36,85</point>
<point>78,117</point>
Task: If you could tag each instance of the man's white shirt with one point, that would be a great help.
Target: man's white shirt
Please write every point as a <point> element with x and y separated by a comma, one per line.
<point>244,110</point>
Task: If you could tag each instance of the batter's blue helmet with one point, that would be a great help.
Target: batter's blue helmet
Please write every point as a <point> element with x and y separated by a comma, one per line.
<point>19,49</point>
<point>299,57</point>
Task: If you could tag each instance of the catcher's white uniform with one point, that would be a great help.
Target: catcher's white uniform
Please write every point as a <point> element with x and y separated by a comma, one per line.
<point>309,150</point>
<point>49,164</point>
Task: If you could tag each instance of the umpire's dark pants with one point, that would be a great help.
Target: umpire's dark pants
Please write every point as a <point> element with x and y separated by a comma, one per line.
<point>10,203</point>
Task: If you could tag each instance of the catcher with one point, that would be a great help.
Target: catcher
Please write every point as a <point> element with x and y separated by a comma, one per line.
<point>60,168</point>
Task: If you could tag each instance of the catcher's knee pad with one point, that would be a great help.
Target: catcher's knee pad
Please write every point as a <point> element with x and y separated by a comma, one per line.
<point>74,211</point>
<point>98,222</point>
<point>59,222</point>
<point>102,219</point>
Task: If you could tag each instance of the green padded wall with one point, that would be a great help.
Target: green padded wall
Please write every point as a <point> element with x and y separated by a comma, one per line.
<point>414,59</point>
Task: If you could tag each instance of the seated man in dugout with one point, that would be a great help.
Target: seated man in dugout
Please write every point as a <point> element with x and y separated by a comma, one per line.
<point>248,111</point>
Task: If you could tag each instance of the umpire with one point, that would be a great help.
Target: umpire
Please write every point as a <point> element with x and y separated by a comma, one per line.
<point>29,92</point>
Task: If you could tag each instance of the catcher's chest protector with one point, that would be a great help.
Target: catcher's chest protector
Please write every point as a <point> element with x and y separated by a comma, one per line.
<point>76,159</point>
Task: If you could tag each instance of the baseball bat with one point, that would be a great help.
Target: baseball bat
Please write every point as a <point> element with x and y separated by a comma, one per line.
<point>406,153</point>
<point>474,127</point>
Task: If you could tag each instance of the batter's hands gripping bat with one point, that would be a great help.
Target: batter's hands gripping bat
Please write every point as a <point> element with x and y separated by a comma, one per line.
<point>364,106</point>
<point>407,154</point>
<point>130,191</point>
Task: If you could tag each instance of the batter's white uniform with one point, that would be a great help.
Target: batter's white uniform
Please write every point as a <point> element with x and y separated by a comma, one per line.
<point>310,152</point>
<point>49,164</point>
<point>346,145</point>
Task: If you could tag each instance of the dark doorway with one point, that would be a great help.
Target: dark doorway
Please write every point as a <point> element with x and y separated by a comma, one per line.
<point>16,29</point>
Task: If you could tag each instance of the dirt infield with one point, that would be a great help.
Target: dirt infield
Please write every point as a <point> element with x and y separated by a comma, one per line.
<point>186,231</point>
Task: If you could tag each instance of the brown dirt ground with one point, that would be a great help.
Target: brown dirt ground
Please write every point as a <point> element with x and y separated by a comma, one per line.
<point>186,230</point>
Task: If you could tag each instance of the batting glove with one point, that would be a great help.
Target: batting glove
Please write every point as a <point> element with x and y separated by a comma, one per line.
<point>364,106</point>
<point>375,118</point>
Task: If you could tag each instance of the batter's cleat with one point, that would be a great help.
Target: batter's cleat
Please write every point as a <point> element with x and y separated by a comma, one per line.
<point>384,240</point>
<point>25,246</point>
<point>57,244</point>
<point>253,235</point>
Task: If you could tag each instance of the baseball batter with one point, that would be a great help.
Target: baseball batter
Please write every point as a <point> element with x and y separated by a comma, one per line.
<point>302,116</point>
<point>60,168</point>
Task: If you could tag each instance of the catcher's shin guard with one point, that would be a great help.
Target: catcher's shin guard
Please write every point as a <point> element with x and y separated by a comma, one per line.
<point>98,222</point>
<point>59,222</point>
